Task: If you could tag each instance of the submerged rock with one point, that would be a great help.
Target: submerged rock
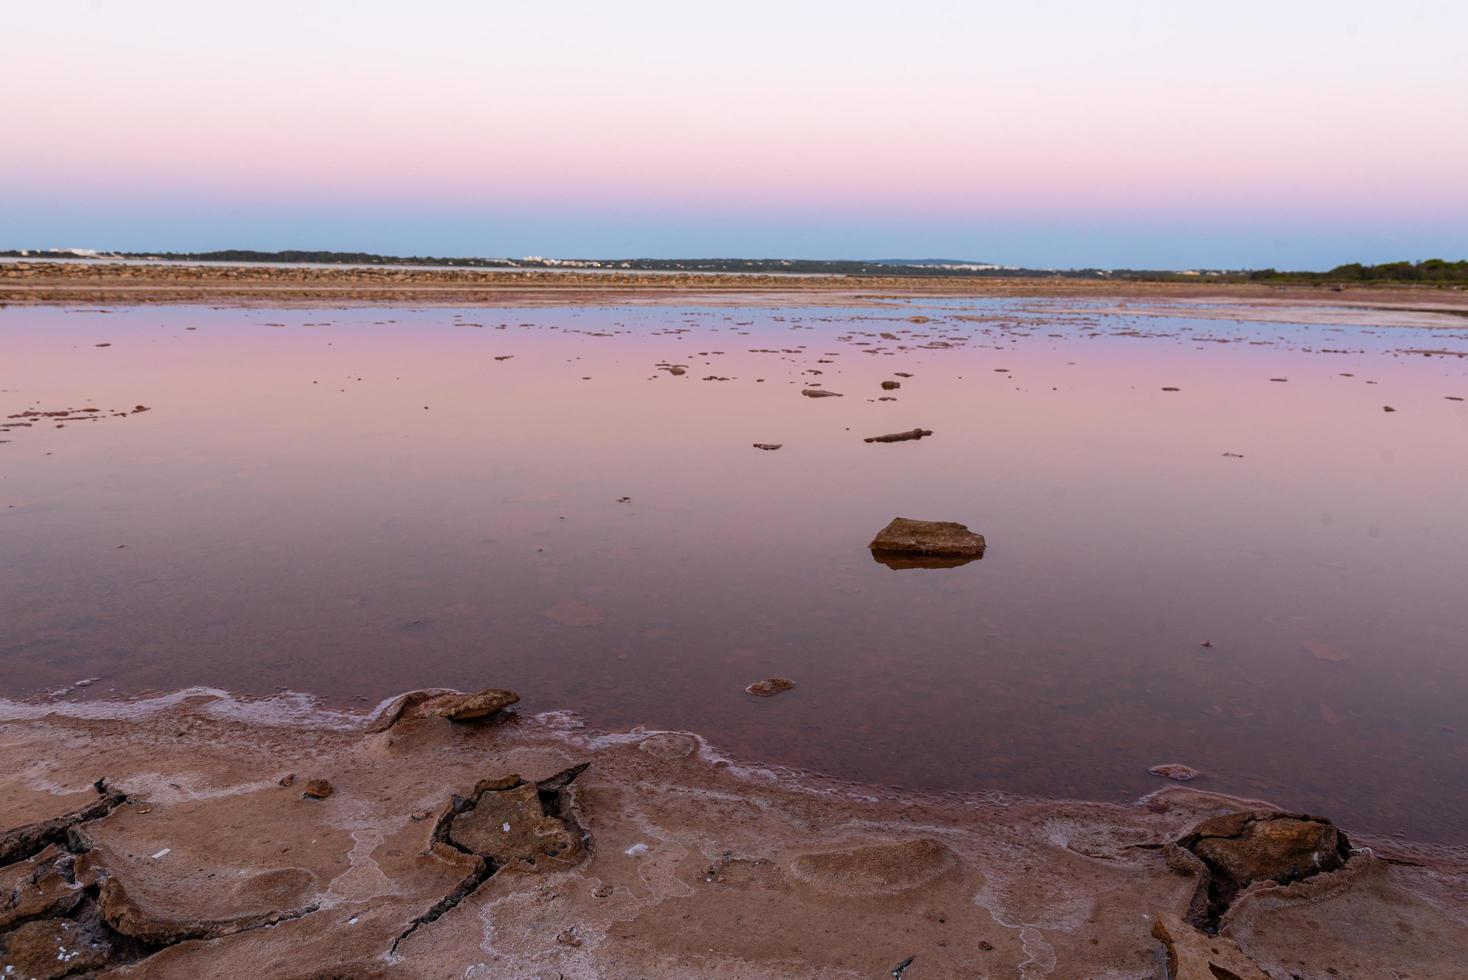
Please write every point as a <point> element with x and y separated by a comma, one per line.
<point>900,436</point>
<point>575,613</point>
<point>770,686</point>
<point>944,538</point>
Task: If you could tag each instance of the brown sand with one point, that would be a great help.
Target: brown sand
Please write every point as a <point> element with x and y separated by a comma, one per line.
<point>695,866</point>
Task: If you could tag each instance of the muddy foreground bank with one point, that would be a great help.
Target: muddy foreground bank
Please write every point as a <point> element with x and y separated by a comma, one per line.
<point>197,835</point>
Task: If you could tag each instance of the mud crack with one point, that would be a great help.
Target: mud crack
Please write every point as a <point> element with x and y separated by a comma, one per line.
<point>507,824</point>
<point>25,841</point>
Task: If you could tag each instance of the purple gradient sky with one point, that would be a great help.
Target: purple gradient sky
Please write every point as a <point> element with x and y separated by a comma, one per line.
<point>1068,133</point>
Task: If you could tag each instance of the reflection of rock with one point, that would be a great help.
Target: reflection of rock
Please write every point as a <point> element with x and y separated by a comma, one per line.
<point>897,561</point>
<point>945,538</point>
<point>1191,955</point>
<point>876,869</point>
<point>770,686</point>
<point>900,436</point>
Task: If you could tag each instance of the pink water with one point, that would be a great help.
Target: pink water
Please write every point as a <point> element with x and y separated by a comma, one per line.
<point>358,502</point>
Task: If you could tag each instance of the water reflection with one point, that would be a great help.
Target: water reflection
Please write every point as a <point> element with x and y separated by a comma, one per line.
<point>358,502</point>
<point>898,561</point>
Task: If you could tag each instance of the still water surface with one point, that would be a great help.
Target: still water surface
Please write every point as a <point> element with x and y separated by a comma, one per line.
<point>358,502</point>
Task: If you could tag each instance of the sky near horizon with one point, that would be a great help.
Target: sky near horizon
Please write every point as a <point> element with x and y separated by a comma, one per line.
<point>1294,134</point>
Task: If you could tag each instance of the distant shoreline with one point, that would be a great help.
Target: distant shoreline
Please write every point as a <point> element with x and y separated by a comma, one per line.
<point>94,281</point>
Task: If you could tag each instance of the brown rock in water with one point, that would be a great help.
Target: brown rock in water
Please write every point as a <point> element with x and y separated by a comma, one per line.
<point>1192,955</point>
<point>1176,770</point>
<point>945,538</point>
<point>900,436</point>
<point>768,446</point>
<point>471,707</point>
<point>1387,408</point>
<point>820,393</point>
<point>770,686</point>
<point>318,789</point>
<point>891,385</point>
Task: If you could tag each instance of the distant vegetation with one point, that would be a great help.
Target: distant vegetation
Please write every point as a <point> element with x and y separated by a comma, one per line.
<point>1427,271</point>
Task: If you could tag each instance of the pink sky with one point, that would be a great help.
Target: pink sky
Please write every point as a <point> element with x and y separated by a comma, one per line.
<point>1063,135</point>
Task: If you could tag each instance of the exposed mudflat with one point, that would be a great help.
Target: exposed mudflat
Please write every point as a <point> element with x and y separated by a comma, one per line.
<point>173,837</point>
<point>111,282</point>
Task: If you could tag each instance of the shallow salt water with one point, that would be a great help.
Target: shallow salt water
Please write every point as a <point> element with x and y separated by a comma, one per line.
<point>355,502</point>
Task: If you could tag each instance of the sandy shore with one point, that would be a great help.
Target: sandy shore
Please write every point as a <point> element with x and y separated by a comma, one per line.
<point>120,283</point>
<point>175,838</point>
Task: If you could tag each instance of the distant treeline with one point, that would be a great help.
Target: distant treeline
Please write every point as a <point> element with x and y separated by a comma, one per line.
<point>1428,270</point>
<point>1433,271</point>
